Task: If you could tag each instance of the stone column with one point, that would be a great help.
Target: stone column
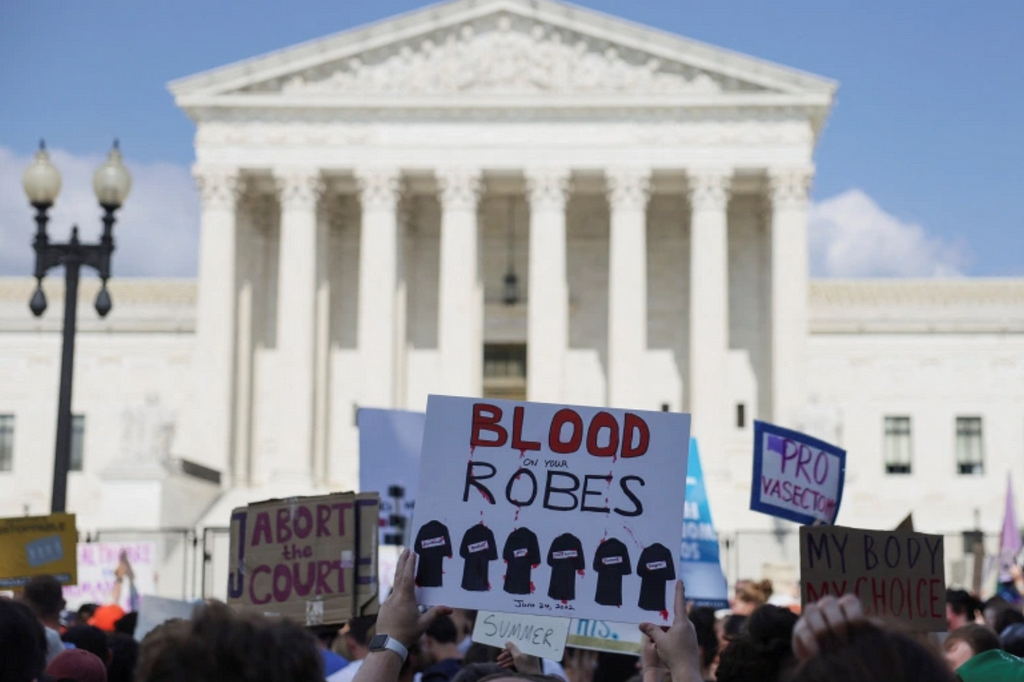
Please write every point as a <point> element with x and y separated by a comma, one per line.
<point>547,318</point>
<point>378,282</point>
<point>219,189</point>
<point>709,308</point>
<point>628,191</point>
<point>788,191</point>
<point>461,299</point>
<point>299,191</point>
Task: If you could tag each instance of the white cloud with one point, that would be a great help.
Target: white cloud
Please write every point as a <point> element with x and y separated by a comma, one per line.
<point>852,236</point>
<point>156,234</point>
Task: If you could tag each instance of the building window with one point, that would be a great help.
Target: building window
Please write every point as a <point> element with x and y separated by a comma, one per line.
<point>741,416</point>
<point>505,371</point>
<point>77,442</point>
<point>970,457</point>
<point>6,442</point>
<point>899,449</point>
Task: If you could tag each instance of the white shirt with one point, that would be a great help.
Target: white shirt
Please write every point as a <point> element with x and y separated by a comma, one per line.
<point>346,674</point>
<point>553,668</point>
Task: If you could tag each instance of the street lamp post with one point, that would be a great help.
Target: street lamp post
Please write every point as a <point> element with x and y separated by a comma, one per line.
<point>42,182</point>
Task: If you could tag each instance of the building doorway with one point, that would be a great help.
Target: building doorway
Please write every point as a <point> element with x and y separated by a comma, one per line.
<point>505,371</point>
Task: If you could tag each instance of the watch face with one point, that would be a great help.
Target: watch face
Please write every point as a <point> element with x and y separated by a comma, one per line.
<point>377,642</point>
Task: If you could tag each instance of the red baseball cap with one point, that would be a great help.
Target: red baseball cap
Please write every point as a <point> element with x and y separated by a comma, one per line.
<point>78,665</point>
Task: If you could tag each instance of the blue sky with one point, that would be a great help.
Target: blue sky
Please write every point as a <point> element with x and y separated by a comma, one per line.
<point>920,169</point>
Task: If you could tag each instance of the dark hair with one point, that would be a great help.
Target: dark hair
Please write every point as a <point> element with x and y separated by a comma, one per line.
<point>978,637</point>
<point>85,612</point>
<point>962,603</point>
<point>124,652</point>
<point>613,667</point>
<point>474,672</point>
<point>89,638</point>
<point>1005,618</point>
<point>325,633</point>
<point>359,629</point>
<point>22,643</point>
<point>126,623</point>
<point>703,619</point>
<point>44,594</point>
<point>1012,639</point>
<point>872,654</point>
<point>734,626</point>
<point>480,653</point>
<point>443,630</point>
<point>762,651</point>
<point>222,645</point>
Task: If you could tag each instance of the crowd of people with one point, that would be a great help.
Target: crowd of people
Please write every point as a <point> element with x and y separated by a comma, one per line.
<point>830,641</point>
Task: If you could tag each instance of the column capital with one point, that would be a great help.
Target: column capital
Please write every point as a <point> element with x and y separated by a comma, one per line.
<point>459,188</point>
<point>298,187</point>
<point>708,187</point>
<point>379,187</point>
<point>548,187</point>
<point>628,188</point>
<point>219,186</point>
<point>789,187</point>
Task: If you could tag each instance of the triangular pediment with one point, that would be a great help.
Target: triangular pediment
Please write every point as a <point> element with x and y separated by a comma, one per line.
<point>490,48</point>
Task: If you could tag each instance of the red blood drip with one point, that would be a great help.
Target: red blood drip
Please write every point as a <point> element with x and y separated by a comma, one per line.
<point>472,450</point>
<point>629,530</point>
<point>522,453</point>
<point>663,614</point>
<point>536,565</point>
<point>564,601</point>
<point>381,523</point>
<point>533,588</point>
<point>581,573</point>
<point>488,585</point>
<point>517,514</point>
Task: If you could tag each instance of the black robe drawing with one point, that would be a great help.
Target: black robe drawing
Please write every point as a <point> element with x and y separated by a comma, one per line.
<point>611,562</point>
<point>433,544</point>
<point>478,549</point>
<point>565,558</point>
<point>656,567</point>
<point>521,553</point>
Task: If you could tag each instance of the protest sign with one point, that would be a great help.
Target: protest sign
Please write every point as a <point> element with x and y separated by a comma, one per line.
<point>895,574</point>
<point>600,635</point>
<point>389,455</point>
<point>311,559</point>
<point>154,611</point>
<point>540,636</point>
<point>572,501</point>
<point>699,567</point>
<point>97,562</point>
<point>38,545</point>
<point>796,477</point>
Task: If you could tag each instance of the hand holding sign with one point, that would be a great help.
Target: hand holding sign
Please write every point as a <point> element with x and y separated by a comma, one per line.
<point>399,615</point>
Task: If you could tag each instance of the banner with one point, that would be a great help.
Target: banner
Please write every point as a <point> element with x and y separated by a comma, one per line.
<point>540,636</point>
<point>796,477</point>
<point>389,455</point>
<point>601,635</point>
<point>580,505</point>
<point>37,545</point>
<point>97,562</point>
<point>700,567</point>
<point>155,611</point>
<point>310,559</point>
<point>896,575</point>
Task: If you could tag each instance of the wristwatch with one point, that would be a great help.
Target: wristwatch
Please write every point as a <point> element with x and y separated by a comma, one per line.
<point>388,643</point>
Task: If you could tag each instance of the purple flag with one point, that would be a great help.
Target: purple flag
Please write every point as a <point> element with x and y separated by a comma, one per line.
<point>1009,544</point>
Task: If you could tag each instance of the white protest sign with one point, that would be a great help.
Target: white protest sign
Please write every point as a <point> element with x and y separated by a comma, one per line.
<point>154,611</point>
<point>540,636</point>
<point>599,635</point>
<point>796,477</point>
<point>550,510</point>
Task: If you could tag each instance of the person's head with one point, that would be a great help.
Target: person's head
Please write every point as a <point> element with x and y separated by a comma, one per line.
<point>991,608</point>
<point>703,619</point>
<point>961,608</point>
<point>325,635</point>
<point>751,595</point>
<point>474,672</point>
<point>222,645</point>
<point>728,628</point>
<point>124,655</point>
<point>126,624</point>
<point>89,638</point>
<point>441,640</point>
<point>967,642</point>
<point>358,633</point>
<point>870,654</point>
<point>77,665</point>
<point>1005,618</point>
<point>480,653</point>
<point>464,620</point>
<point>1012,639</point>
<point>84,613</point>
<point>22,642</point>
<point>762,651</point>
<point>45,596</point>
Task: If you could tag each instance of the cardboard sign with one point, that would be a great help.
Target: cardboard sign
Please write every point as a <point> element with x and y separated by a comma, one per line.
<point>38,545</point>
<point>600,635</point>
<point>796,477</point>
<point>97,562</point>
<point>154,611</point>
<point>896,575</point>
<point>699,567</point>
<point>539,636</point>
<point>550,510</point>
<point>310,559</point>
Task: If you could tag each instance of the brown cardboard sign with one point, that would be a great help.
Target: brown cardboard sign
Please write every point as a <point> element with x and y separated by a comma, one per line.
<point>309,559</point>
<point>896,575</point>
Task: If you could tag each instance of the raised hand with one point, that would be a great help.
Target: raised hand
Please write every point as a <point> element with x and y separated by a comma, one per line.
<point>676,645</point>
<point>399,615</point>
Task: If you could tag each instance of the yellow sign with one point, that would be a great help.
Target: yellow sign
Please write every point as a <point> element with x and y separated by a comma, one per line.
<point>38,545</point>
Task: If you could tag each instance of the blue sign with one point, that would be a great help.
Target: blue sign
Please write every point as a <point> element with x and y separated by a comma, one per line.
<point>389,455</point>
<point>700,567</point>
<point>796,477</point>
